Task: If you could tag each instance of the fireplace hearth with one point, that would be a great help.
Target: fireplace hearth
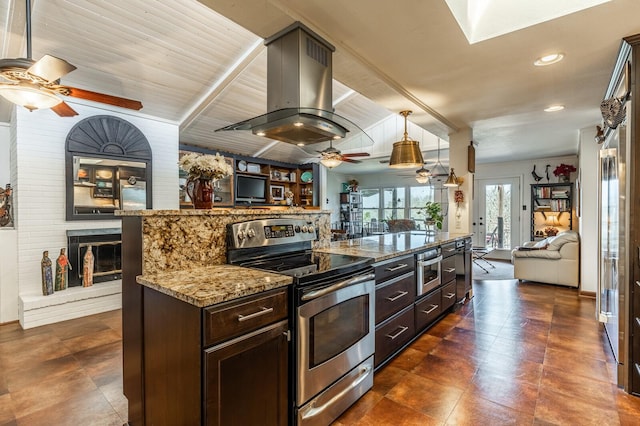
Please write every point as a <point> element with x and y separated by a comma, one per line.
<point>107,248</point>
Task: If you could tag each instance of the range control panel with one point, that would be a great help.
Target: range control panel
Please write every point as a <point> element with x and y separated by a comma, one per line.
<point>267,232</point>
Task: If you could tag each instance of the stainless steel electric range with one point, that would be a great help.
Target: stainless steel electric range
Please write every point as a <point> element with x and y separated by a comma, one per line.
<point>331,313</point>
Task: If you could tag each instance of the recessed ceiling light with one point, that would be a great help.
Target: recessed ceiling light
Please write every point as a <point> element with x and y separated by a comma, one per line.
<point>300,144</point>
<point>260,133</point>
<point>298,124</point>
<point>554,108</point>
<point>548,59</point>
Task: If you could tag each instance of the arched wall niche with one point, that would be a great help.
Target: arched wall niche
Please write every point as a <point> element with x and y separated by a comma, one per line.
<point>108,168</point>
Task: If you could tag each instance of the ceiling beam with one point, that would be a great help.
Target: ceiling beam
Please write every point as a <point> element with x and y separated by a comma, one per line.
<point>219,86</point>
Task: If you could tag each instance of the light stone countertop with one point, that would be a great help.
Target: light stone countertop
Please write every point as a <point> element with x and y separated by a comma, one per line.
<point>209,285</point>
<point>225,211</point>
<point>387,246</point>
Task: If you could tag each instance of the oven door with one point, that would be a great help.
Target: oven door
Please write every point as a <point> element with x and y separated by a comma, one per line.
<point>335,332</point>
<point>428,276</point>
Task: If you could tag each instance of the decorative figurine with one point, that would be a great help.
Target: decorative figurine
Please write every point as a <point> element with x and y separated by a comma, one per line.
<point>546,169</point>
<point>87,268</point>
<point>47,274</point>
<point>62,268</point>
<point>536,176</point>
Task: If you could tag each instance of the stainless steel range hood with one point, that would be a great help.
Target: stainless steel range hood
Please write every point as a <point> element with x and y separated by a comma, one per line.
<point>299,91</point>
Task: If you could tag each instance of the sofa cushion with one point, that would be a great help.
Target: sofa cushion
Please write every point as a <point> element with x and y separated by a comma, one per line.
<point>540,254</point>
<point>555,243</point>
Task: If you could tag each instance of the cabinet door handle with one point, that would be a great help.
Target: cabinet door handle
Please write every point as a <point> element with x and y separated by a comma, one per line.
<point>450,250</point>
<point>263,311</point>
<point>402,330</point>
<point>395,268</point>
<point>400,294</point>
<point>450,270</point>
<point>450,295</point>
<point>433,308</point>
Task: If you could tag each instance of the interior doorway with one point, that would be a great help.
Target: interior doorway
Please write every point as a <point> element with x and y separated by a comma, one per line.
<point>496,222</point>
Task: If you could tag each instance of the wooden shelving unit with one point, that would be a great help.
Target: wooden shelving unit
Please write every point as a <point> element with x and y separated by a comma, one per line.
<point>549,200</point>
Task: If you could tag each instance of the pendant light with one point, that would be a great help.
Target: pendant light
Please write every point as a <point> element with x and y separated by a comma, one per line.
<point>422,175</point>
<point>452,180</point>
<point>406,153</point>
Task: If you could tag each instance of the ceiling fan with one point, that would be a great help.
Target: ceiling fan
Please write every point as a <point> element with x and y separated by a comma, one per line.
<point>36,84</point>
<point>331,157</point>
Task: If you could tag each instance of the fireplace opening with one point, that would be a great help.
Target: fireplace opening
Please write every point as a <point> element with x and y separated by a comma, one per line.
<point>106,245</point>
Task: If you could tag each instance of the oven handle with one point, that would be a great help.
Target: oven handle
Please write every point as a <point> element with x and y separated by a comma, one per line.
<point>337,286</point>
<point>429,261</point>
<point>364,373</point>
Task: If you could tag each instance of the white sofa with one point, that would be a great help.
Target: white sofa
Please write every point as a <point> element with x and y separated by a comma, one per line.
<point>554,260</point>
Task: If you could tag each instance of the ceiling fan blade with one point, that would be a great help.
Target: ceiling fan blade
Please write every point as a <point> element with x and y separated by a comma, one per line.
<point>349,160</point>
<point>50,68</point>
<point>105,99</point>
<point>357,154</point>
<point>64,110</point>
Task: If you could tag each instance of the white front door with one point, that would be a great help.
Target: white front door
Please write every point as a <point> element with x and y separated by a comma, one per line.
<point>496,221</point>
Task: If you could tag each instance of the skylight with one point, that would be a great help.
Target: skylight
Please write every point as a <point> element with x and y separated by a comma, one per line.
<point>484,19</point>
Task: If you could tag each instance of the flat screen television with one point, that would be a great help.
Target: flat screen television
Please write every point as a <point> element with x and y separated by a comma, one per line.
<point>251,188</point>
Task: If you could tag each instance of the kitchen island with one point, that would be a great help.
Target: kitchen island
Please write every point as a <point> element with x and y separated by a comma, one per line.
<point>183,333</point>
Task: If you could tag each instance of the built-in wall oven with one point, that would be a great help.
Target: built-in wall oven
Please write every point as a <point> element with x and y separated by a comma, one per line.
<point>332,314</point>
<point>428,270</point>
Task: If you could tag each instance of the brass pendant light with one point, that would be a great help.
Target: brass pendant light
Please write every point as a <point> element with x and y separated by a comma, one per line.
<point>406,153</point>
<point>452,180</point>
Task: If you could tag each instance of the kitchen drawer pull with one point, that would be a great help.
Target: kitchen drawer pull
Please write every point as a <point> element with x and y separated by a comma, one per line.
<point>433,308</point>
<point>450,295</point>
<point>263,311</point>
<point>400,294</point>
<point>450,250</point>
<point>395,268</point>
<point>402,330</point>
<point>450,270</point>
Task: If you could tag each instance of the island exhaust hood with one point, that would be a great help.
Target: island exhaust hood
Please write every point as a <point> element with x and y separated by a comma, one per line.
<point>299,91</point>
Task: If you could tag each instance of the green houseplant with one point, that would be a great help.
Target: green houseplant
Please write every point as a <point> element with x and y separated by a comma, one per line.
<point>432,212</point>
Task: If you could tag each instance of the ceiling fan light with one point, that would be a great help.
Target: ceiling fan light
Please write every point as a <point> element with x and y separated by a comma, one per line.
<point>330,163</point>
<point>422,177</point>
<point>30,96</point>
<point>452,180</point>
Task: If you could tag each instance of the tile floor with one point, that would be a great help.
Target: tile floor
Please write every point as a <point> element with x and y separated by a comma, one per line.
<point>516,354</point>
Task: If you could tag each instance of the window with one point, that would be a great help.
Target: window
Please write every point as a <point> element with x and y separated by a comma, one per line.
<point>394,203</point>
<point>370,205</point>
<point>419,195</point>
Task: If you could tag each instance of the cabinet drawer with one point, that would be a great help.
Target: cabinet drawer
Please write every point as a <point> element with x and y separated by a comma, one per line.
<point>448,269</point>
<point>448,249</point>
<point>394,267</point>
<point>232,319</point>
<point>393,334</point>
<point>448,295</point>
<point>428,309</point>
<point>394,295</point>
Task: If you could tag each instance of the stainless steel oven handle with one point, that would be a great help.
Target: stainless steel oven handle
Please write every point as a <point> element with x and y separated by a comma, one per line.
<point>394,336</point>
<point>337,286</point>
<point>400,294</point>
<point>263,311</point>
<point>364,373</point>
<point>430,261</point>
<point>395,268</point>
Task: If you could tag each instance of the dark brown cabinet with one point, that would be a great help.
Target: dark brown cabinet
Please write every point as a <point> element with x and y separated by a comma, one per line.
<point>220,365</point>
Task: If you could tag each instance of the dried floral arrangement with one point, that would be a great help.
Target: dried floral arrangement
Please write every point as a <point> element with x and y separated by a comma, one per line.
<point>205,166</point>
<point>564,170</point>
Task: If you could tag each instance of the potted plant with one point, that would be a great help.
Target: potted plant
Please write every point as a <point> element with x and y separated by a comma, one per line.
<point>432,212</point>
<point>563,171</point>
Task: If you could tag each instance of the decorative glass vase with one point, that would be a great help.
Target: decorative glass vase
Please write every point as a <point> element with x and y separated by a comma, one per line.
<point>563,178</point>
<point>430,226</point>
<point>200,190</point>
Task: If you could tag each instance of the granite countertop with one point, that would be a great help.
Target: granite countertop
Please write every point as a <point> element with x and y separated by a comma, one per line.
<point>387,246</point>
<point>209,285</point>
<point>225,211</point>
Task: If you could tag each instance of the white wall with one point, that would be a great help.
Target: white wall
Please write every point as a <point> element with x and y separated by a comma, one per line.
<point>5,149</point>
<point>589,210</point>
<point>39,196</point>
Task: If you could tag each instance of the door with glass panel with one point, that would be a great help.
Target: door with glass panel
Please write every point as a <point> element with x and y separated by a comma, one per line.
<point>496,221</point>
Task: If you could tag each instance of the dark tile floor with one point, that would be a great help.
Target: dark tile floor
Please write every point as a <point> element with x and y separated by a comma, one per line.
<point>516,354</point>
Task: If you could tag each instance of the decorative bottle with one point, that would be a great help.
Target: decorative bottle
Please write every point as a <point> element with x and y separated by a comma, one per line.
<point>87,268</point>
<point>62,268</point>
